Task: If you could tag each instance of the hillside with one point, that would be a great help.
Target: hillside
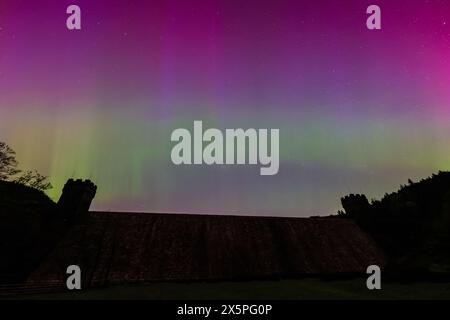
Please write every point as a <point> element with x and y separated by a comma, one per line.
<point>27,229</point>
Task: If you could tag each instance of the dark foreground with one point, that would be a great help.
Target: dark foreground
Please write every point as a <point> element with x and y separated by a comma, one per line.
<point>284,289</point>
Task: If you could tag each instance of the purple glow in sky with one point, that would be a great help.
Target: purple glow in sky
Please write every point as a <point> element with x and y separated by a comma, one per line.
<point>358,110</point>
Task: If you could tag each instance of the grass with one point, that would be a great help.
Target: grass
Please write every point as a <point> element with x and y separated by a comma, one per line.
<point>283,289</point>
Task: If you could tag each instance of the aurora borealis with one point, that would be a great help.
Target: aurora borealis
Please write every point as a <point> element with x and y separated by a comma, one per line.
<point>358,110</point>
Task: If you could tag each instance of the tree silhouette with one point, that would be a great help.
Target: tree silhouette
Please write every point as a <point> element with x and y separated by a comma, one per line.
<point>8,162</point>
<point>10,172</point>
<point>412,225</point>
<point>35,180</point>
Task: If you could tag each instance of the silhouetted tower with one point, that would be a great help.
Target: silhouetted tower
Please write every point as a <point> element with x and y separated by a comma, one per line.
<point>76,198</point>
<point>356,205</point>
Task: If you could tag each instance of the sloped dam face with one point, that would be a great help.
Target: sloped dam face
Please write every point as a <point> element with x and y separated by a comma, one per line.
<point>118,248</point>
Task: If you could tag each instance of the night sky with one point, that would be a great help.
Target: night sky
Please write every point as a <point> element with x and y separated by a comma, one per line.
<point>358,110</point>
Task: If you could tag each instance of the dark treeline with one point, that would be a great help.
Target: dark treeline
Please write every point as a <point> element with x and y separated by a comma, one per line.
<point>412,225</point>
